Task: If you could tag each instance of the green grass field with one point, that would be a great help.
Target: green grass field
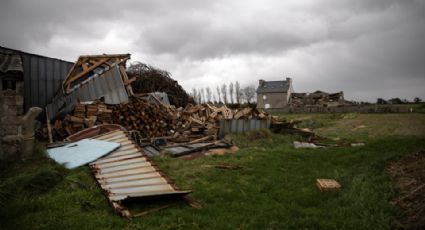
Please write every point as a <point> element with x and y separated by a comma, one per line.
<point>274,189</point>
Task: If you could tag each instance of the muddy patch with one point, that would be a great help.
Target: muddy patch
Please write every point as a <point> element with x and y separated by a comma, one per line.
<point>409,174</point>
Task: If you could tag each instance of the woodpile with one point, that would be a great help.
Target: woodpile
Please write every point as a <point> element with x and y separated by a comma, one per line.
<point>83,116</point>
<point>193,123</point>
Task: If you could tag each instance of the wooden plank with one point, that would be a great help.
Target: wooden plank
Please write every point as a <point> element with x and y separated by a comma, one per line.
<point>70,78</point>
<point>327,185</point>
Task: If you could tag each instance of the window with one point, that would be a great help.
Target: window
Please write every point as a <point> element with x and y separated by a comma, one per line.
<point>8,84</point>
<point>264,97</point>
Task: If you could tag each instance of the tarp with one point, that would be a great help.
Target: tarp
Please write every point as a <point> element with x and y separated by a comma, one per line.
<point>81,152</point>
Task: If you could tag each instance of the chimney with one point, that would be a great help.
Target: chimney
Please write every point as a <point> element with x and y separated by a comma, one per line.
<point>289,80</point>
<point>261,82</point>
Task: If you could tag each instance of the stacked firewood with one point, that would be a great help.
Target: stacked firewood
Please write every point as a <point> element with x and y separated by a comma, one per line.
<point>83,116</point>
<point>154,119</point>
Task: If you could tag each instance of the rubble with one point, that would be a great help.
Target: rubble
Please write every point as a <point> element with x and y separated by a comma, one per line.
<point>317,98</point>
<point>306,145</point>
<point>152,119</point>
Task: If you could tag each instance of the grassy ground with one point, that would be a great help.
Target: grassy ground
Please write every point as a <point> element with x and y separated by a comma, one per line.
<point>275,189</point>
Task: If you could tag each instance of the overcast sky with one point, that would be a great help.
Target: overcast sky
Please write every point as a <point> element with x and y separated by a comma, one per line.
<point>367,48</point>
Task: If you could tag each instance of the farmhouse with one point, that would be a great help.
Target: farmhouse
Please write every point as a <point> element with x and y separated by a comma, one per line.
<point>281,95</point>
<point>274,94</point>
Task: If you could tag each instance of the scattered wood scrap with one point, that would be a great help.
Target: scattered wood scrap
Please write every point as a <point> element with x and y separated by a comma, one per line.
<point>223,166</point>
<point>327,185</point>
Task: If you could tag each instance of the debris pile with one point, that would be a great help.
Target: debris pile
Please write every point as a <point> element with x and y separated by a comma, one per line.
<point>153,119</point>
<point>318,98</point>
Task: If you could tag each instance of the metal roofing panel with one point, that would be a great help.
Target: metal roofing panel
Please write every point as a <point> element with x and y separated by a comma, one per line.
<point>134,177</point>
<point>108,85</point>
<point>127,172</point>
<point>241,125</point>
<point>139,182</point>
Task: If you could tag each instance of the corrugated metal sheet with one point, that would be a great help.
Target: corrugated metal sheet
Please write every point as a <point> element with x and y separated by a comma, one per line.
<point>107,84</point>
<point>43,77</point>
<point>242,125</point>
<point>184,149</point>
<point>128,173</point>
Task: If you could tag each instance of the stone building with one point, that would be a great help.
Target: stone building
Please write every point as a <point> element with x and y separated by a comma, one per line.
<point>11,94</point>
<point>11,103</point>
<point>274,94</point>
<point>27,81</point>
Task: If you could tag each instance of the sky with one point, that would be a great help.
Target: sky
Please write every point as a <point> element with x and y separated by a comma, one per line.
<point>366,48</point>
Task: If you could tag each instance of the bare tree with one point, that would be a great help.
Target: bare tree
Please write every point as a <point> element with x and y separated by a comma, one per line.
<point>195,95</point>
<point>203,95</point>
<point>214,101</point>
<point>231,92</point>
<point>199,97</point>
<point>218,94</point>
<point>208,91</point>
<point>249,93</point>
<point>224,92</point>
<point>238,92</point>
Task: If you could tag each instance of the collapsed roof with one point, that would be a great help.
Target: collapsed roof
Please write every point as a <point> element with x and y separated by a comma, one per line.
<point>93,77</point>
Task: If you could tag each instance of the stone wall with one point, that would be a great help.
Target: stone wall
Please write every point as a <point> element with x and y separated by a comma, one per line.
<point>11,111</point>
<point>272,100</point>
<point>348,109</point>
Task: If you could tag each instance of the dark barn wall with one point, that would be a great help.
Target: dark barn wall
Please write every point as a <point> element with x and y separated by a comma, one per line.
<point>42,77</point>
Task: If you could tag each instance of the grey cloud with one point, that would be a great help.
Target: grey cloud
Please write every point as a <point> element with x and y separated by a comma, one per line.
<point>330,44</point>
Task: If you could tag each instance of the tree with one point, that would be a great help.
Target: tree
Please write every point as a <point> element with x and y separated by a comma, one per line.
<point>238,92</point>
<point>199,97</point>
<point>231,92</point>
<point>381,101</point>
<point>203,95</point>
<point>417,100</point>
<point>208,91</point>
<point>249,93</point>
<point>218,94</point>
<point>195,95</point>
<point>224,92</point>
<point>150,79</point>
<point>395,101</point>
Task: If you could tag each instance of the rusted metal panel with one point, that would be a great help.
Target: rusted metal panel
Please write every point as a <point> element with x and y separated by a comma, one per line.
<point>128,173</point>
<point>240,126</point>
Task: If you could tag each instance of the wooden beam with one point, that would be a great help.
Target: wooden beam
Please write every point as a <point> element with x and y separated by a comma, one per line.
<point>129,81</point>
<point>85,66</point>
<point>49,128</point>
<point>70,78</point>
<point>125,79</point>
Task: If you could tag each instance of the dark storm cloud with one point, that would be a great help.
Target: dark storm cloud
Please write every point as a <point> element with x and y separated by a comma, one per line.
<point>368,48</point>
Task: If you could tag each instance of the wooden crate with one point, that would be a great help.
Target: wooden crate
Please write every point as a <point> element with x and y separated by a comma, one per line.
<point>327,184</point>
